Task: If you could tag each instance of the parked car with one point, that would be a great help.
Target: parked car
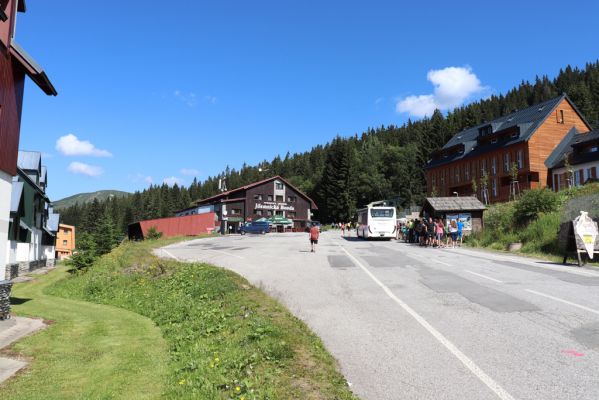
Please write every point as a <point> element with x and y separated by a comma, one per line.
<point>255,227</point>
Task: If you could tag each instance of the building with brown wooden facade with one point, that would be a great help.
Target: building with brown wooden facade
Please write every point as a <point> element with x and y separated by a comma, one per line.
<point>515,144</point>
<point>15,64</point>
<point>264,199</point>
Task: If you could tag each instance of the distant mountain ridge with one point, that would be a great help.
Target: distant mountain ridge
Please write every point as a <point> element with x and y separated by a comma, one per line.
<point>84,198</point>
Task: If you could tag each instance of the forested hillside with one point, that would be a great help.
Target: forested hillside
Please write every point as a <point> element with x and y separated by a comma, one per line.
<point>348,172</point>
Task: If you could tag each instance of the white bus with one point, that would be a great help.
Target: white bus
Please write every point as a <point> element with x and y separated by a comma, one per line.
<point>377,220</point>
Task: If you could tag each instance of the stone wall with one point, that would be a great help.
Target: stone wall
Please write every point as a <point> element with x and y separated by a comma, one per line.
<point>5,287</point>
<point>24,267</point>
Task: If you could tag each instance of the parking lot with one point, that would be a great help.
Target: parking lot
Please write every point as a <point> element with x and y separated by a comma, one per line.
<point>412,323</point>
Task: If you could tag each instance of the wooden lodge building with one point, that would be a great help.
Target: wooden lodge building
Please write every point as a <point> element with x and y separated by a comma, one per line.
<point>264,199</point>
<point>525,138</point>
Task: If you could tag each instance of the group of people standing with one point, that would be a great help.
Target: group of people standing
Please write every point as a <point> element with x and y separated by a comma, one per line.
<point>431,232</point>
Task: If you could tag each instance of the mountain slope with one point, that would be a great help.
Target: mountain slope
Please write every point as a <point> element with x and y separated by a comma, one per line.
<point>84,198</point>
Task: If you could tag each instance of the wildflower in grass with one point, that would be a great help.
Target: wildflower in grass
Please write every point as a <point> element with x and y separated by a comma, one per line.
<point>237,389</point>
<point>182,382</point>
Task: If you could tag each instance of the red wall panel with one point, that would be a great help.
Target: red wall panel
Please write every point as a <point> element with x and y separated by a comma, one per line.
<point>12,81</point>
<point>189,225</point>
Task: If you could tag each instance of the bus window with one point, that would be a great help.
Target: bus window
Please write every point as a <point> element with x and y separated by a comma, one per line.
<point>382,212</point>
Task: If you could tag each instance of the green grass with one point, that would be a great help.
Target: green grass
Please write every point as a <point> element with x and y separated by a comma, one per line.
<point>539,237</point>
<point>89,351</point>
<point>224,338</point>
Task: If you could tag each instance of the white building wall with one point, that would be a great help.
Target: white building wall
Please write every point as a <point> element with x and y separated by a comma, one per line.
<point>575,168</point>
<point>5,194</point>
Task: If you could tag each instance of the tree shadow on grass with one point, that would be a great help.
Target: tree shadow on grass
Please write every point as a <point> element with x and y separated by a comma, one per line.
<point>18,300</point>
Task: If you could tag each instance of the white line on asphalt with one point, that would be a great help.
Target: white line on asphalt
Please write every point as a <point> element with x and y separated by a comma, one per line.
<point>171,255</point>
<point>563,301</point>
<point>475,369</point>
<point>484,276</point>
<point>441,262</point>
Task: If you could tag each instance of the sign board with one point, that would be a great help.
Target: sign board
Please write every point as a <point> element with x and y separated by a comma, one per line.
<point>465,218</point>
<point>586,233</point>
<point>271,205</point>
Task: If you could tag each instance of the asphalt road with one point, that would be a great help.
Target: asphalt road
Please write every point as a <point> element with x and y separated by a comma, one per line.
<point>412,323</point>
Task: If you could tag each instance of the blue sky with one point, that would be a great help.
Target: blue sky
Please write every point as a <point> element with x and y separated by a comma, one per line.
<point>153,90</point>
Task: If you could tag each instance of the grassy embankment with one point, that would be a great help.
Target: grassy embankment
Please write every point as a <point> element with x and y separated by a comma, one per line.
<point>534,220</point>
<point>222,338</point>
<point>88,351</point>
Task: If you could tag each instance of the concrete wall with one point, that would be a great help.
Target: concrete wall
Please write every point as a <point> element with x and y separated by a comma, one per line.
<point>5,193</point>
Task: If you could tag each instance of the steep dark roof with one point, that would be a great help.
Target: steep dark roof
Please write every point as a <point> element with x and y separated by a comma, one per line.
<point>524,123</point>
<point>465,203</point>
<point>568,147</point>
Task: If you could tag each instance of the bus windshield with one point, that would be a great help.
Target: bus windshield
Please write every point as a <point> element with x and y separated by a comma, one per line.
<point>382,212</point>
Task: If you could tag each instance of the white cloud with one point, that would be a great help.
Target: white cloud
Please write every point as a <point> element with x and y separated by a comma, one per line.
<point>210,99</point>
<point>190,172</point>
<point>77,167</point>
<point>452,87</point>
<point>171,180</point>
<point>70,145</point>
<point>141,178</point>
<point>191,99</point>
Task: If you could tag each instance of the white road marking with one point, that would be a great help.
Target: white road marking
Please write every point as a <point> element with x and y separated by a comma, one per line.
<point>563,301</point>
<point>171,255</point>
<point>441,262</point>
<point>484,276</point>
<point>468,363</point>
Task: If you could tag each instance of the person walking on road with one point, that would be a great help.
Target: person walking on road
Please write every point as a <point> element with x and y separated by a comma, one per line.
<point>314,233</point>
<point>460,233</point>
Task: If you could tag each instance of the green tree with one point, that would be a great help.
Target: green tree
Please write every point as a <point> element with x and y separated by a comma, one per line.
<point>105,235</point>
<point>85,252</point>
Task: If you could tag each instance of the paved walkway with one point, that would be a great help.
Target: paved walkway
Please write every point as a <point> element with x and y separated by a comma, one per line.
<point>12,330</point>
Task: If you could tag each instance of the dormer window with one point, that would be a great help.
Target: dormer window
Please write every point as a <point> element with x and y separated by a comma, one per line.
<point>485,130</point>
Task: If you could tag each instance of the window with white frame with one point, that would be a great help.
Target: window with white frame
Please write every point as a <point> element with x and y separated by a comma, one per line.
<point>494,166</point>
<point>506,162</point>
<point>520,159</point>
<point>494,187</point>
<point>279,186</point>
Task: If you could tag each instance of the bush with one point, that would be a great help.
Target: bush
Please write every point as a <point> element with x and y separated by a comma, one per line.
<point>533,203</point>
<point>500,217</point>
<point>541,234</point>
<point>153,234</point>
